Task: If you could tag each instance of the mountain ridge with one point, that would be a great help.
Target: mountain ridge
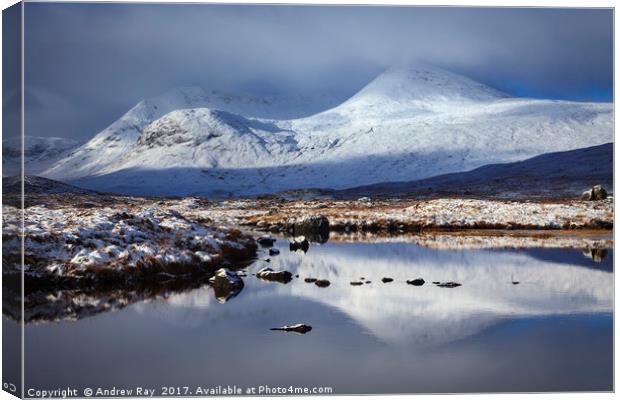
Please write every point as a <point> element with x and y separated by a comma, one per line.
<point>436,122</point>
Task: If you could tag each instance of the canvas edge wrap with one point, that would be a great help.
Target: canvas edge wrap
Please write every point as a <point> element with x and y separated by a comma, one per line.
<point>12,126</point>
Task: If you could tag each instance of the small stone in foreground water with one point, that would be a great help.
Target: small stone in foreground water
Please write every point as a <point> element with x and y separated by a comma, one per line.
<point>322,283</point>
<point>356,283</point>
<point>448,285</point>
<point>298,328</point>
<point>416,282</point>
<point>310,280</point>
<point>387,280</point>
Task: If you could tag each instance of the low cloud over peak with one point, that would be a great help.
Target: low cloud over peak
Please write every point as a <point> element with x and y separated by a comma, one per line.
<point>98,60</point>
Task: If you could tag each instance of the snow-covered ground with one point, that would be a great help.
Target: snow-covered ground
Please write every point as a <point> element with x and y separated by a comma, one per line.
<point>407,124</point>
<point>81,240</point>
<point>415,215</point>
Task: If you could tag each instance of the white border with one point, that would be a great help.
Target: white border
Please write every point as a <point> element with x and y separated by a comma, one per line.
<point>476,3</point>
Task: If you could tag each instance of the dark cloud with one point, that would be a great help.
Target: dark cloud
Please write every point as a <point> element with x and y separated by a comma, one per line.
<point>88,63</point>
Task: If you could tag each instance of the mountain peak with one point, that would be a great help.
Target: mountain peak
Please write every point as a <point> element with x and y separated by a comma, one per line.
<point>421,86</point>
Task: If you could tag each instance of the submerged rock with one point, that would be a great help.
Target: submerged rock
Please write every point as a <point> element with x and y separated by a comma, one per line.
<point>356,283</point>
<point>266,241</point>
<point>298,328</point>
<point>322,283</point>
<point>596,193</point>
<point>387,280</point>
<point>269,274</point>
<point>274,252</point>
<point>226,284</point>
<point>416,282</point>
<point>309,280</point>
<point>448,284</point>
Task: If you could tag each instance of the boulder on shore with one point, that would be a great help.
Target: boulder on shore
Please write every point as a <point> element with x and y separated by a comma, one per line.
<point>312,226</point>
<point>596,193</point>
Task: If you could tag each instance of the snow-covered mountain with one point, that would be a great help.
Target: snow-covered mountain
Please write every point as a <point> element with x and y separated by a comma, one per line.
<point>408,123</point>
<point>39,153</point>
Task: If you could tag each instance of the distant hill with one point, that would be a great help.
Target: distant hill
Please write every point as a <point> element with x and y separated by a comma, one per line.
<point>558,174</point>
<point>37,185</point>
<point>39,153</point>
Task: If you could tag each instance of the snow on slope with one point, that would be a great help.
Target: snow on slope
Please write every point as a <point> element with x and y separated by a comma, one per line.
<point>409,123</point>
<point>403,92</point>
<point>113,143</point>
<point>39,153</point>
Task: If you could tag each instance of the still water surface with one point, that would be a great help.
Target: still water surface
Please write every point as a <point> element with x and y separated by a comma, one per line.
<point>550,332</point>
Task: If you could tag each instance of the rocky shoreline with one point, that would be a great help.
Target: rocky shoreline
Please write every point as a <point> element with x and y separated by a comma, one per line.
<point>83,240</point>
<point>432,215</point>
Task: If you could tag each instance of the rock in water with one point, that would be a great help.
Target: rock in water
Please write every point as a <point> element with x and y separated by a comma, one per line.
<point>266,241</point>
<point>416,282</point>
<point>448,284</point>
<point>274,252</point>
<point>322,283</point>
<point>387,280</point>
<point>597,255</point>
<point>269,274</point>
<point>357,283</point>
<point>299,244</point>
<point>226,284</point>
<point>596,193</point>
<point>309,280</point>
<point>298,328</point>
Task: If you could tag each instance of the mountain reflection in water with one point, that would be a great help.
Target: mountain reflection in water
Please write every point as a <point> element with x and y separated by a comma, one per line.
<point>405,337</point>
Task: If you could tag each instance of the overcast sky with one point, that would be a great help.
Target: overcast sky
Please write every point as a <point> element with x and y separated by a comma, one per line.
<point>86,64</point>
